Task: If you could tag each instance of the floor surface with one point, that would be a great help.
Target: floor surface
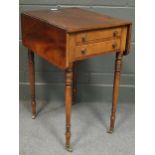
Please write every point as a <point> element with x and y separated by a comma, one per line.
<point>46,134</point>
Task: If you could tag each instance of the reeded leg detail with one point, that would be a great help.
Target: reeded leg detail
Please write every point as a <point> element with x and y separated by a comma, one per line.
<point>118,66</point>
<point>74,89</point>
<point>68,103</point>
<point>32,82</point>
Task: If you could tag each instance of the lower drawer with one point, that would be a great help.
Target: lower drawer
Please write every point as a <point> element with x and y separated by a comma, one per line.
<point>85,50</point>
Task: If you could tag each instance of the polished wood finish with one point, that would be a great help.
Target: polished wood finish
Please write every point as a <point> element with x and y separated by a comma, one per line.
<point>98,35</point>
<point>32,81</point>
<point>64,36</point>
<point>74,82</point>
<point>118,66</point>
<point>58,41</point>
<point>76,19</point>
<point>68,103</point>
<point>128,39</point>
<point>87,50</point>
<point>46,40</point>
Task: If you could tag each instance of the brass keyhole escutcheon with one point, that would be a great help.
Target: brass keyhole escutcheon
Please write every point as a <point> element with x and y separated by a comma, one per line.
<point>83,51</point>
<point>114,45</point>
<point>115,33</point>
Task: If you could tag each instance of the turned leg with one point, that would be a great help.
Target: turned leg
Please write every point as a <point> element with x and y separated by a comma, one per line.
<point>118,65</point>
<point>74,83</point>
<point>68,103</point>
<point>32,81</point>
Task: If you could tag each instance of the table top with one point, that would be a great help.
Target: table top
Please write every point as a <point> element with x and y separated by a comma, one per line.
<point>76,19</point>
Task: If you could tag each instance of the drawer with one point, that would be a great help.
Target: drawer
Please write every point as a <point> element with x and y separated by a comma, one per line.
<point>85,50</point>
<point>84,37</point>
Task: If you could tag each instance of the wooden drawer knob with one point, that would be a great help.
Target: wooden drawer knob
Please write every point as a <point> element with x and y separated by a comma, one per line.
<point>84,37</point>
<point>83,51</point>
<point>115,33</point>
<point>114,45</point>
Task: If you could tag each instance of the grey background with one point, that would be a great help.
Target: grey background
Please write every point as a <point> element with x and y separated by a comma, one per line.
<point>95,75</point>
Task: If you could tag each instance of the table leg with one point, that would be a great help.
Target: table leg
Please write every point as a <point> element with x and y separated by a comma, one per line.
<point>118,65</point>
<point>32,82</point>
<point>68,103</point>
<point>74,82</point>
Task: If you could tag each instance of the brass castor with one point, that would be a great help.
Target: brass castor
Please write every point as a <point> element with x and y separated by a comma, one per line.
<point>69,148</point>
<point>110,130</point>
<point>33,116</point>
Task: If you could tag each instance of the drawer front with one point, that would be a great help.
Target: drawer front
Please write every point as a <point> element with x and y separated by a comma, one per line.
<point>85,37</point>
<point>86,50</point>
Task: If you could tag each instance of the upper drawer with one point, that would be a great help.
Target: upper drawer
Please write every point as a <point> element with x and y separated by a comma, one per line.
<point>84,37</point>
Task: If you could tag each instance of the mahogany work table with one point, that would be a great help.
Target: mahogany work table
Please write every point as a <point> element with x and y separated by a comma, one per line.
<point>66,35</point>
